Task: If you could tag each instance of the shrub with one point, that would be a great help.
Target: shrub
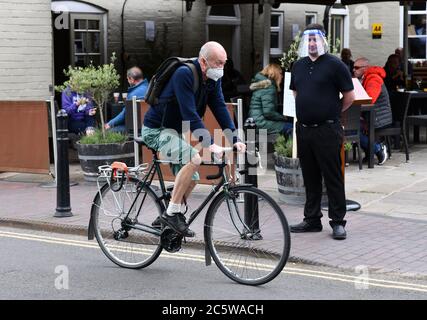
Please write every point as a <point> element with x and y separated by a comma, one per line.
<point>99,138</point>
<point>283,146</point>
<point>96,81</point>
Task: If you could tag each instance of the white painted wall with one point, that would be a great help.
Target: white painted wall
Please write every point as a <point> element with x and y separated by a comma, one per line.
<point>361,42</point>
<point>25,49</point>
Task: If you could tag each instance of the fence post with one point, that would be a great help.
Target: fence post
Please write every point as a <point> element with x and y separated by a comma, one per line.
<point>240,128</point>
<point>251,163</point>
<point>53,125</point>
<point>63,208</point>
<point>135,129</point>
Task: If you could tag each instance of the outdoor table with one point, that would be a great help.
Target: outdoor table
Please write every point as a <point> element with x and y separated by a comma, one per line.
<point>370,118</point>
<point>414,95</point>
<point>113,109</point>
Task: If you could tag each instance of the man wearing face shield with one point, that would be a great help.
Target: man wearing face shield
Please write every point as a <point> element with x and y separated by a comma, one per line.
<point>179,106</point>
<point>317,79</point>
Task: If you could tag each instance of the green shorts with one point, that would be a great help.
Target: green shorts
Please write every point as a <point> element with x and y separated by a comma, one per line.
<point>172,147</point>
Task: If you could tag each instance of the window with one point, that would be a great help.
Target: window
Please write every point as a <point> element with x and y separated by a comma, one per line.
<point>223,11</point>
<point>310,17</point>
<point>417,35</point>
<point>86,40</point>
<point>276,33</point>
<point>337,32</point>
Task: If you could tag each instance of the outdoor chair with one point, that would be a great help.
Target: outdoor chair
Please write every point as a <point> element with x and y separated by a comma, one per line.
<point>419,120</point>
<point>387,133</point>
<point>400,104</point>
<point>350,119</point>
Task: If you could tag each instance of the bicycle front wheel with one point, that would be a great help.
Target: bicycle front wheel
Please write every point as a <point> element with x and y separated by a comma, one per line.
<point>127,239</point>
<point>247,235</point>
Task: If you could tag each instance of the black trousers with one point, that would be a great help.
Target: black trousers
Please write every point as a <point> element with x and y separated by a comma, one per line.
<point>319,151</point>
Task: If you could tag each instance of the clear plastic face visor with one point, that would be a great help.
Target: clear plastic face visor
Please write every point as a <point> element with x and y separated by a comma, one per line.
<point>313,43</point>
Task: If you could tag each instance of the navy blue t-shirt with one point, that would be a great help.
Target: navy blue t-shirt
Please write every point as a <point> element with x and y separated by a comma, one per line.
<point>318,85</point>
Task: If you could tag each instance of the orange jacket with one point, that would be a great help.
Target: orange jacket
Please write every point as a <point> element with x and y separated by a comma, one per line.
<point>372,82</point>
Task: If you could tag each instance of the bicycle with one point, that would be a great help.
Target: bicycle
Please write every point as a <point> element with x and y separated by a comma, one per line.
<point>245,231</point>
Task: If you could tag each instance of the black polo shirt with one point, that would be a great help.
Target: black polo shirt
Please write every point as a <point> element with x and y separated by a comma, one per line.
<point>318,85</point>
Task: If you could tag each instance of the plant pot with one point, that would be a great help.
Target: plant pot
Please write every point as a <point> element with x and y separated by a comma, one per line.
<point>290,181</point>
<point>92,156</point>
<point>346,156</point>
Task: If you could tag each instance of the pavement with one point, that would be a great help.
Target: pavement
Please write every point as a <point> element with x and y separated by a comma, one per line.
<point>387,235</point>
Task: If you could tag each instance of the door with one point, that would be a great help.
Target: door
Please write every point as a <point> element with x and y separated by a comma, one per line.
<point>223,35</point>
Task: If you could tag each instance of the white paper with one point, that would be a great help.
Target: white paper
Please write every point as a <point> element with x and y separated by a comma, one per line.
<point>288,98</point>
<point>150,30</point>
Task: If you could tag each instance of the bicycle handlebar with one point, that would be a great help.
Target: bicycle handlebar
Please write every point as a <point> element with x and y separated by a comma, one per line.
<point>220,165</point>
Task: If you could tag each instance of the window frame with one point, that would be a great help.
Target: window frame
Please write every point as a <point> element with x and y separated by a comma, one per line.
<point>417,13</point>
<point>333,31</point>
<point>277,51</point>
<point>102,35</point>
<point>312,14</point>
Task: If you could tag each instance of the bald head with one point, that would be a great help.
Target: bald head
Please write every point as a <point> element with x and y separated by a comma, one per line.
<point>212,55</point>
<point>134,76</point>
<point>212,48</point>
<point>360,66</point>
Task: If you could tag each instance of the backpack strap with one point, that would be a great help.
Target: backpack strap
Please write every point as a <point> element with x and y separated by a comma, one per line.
<point>196,85</point>
<point>195,75</point>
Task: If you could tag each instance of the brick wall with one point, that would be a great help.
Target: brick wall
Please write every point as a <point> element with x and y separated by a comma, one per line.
<point>25,49</point>
<point>184,32</point>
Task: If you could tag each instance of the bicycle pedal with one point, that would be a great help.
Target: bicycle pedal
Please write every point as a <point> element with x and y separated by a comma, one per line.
<point>170,240</point>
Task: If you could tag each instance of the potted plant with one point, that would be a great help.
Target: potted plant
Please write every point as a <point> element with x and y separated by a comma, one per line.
<point>288,172</point>
<point>347,147</point>
<point>101,147</point>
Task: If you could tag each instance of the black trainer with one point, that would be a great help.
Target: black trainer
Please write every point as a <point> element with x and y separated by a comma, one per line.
<point>382,155</point>
<point>177,222</point>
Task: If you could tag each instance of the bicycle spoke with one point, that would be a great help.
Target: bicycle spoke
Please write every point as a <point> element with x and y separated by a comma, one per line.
<point>251,253</point>
<point>124,245</point>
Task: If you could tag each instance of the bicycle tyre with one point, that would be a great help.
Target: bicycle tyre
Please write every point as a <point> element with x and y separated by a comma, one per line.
<point>241,258</point>
<point>139,249</point>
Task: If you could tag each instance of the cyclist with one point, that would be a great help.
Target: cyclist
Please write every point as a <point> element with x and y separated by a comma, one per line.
<point>180,109</point>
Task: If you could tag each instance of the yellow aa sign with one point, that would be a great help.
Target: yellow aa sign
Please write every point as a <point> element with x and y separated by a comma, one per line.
<point>377,29</point>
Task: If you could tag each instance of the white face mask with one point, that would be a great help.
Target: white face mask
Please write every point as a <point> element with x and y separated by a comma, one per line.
<point>214,73</point>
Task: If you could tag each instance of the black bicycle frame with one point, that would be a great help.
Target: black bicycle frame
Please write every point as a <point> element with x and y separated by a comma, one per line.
<point>155,168</point>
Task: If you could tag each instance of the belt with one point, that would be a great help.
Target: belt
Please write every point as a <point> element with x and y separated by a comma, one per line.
<point>315,125</point>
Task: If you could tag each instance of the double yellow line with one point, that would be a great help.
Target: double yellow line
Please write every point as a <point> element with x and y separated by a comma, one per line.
<point>369,281</point>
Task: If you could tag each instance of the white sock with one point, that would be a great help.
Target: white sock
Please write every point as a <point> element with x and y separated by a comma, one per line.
<point>183,208</point>
<point>173,208</point>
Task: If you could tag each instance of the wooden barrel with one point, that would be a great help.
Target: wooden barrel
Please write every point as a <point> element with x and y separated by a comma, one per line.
<point>92,156</point>
<point>290,181</point>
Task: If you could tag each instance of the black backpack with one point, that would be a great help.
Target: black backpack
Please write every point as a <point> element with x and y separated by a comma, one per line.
<point>164,73</point>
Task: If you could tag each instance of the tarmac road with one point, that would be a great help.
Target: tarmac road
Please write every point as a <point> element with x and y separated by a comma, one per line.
<point>40,265</point>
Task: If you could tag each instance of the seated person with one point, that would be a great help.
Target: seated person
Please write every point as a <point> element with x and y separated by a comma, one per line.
<point>372,81</point>
<point>346,58</point>
<point>394,75</point>
<point>138,88</point>
<point>231,79</point>
<point>80,110</point>
<point>399,52</point>
<point>263,108</point>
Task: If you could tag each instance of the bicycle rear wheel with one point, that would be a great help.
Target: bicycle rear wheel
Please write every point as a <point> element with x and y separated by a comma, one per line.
<point>120,241</point>
<point>251,250</point>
